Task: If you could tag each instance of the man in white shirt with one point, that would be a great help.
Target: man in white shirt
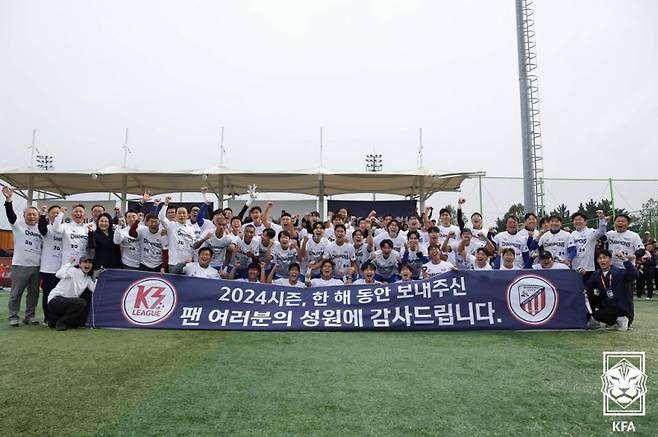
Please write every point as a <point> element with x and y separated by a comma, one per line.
<point>151,243</point>
<point>180,238</point>
<point>623,243</point>
<point>51,255</point>
<point>75,235</point>
<point>28,241</point>
<point>557,241</point>
<point>585,239</point>
<point>293,277</point>
<point>508,259</point>
<point>201,268</point>
<point>546,262</point>
<point>130,250</point>
<point>66,307</point>
<point>341,253</point>
<point>436,266</point>
<point>326,279</point>
<point>515,240</point>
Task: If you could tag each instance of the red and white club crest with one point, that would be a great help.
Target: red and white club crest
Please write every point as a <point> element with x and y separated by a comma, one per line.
<point>532,299</point>
<point>149,301</point>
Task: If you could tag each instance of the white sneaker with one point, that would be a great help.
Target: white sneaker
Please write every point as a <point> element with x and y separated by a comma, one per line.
<point>622,323</point>
<point>593,324</point>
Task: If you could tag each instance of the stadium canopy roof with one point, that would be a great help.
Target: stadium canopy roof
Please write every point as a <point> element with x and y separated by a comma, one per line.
<point>418,183</point>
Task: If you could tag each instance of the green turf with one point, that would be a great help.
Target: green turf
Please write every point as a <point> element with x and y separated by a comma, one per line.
<point>141,383</point>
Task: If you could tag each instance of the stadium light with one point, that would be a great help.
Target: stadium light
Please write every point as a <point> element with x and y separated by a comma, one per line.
<point>45,162</point>
<point>374,163</point>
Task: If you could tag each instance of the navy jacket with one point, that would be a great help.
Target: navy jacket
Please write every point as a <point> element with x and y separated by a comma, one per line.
<point>620,277</point>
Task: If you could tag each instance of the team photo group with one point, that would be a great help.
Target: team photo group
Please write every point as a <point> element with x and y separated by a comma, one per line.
<point>60,253</point>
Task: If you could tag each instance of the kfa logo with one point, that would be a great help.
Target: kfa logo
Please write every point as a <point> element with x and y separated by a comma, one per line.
<point>532,300</point>
<point>149,301</point>
<point>624,384</point>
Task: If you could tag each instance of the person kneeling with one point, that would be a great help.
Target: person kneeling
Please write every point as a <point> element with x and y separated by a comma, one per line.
<point>66,309</point>
<point>611,281</point>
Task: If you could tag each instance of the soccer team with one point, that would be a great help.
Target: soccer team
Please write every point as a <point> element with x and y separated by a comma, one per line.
<point>63,256</point>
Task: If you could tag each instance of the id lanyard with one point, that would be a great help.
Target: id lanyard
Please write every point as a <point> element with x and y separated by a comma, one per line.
<point>608,287</point>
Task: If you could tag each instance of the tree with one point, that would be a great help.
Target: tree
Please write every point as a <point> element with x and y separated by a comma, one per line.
<point>517,210</point>
<point>648,218</point>
<point>562,211</point>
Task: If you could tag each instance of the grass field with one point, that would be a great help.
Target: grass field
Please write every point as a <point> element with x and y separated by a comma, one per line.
<point>143,383</point>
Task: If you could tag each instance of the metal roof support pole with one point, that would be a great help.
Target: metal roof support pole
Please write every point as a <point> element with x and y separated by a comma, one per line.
<point>421,194</point>
<point>30,191</point>
<point>124,193</point>
<point>321,207</point>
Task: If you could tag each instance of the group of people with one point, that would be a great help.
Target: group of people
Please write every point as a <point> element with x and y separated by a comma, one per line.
<point>65,256</point>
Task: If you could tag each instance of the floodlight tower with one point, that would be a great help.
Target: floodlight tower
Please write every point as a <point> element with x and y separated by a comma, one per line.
<point>533,167</point>
<point>374,164</point>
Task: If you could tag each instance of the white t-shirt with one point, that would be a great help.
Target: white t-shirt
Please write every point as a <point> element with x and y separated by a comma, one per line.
<point>362,281</point>
<point>556,266</point>
<point>517,242</point>
<point>28,242</point>
<point>398,241</point>
<point>437,269</point>
<point>314,252</point>
<point>151,247</point>
<point>342,255</point>
<point>445,230</point>
<point>75,238</point>
<point>627,242</point>
<point>130,250</point>
<point>180,239</point>
<point>285,282</point>
<point>514,267</point>
<point>386,267</point>
<point>242,249</point>
<point>218,247</point>
<point>557,244</point>
<point>195,270</point>
<point>51,252</point>
<point>585,242</point>
<point>259,228</point>
<point>319,282</point>
<point>282,258</point>
<point>72,282</point>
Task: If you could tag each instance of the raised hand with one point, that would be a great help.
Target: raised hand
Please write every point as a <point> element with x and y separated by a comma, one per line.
<point>43,209</point>
<point>72,259</point>
<point>156,201</point>
<point>204,189</point>
<point>147,196</point>
<point>90,227</point>
<point>8,192</point>
<point>167,200</point>
<point>461,201</point>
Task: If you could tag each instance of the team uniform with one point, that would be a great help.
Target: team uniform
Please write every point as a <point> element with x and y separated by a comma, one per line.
<point>285,282</point>
<point>314,252</point>
<point>319,282</point>
<point>218,247</point>
<point>283,258</point>
<point>51,261</point>
<point>362,254</point>
<point>151,246</point>
<point>415,260</point>
<point>437,269</point>
<point>195,270</point>
<point>342,255</point>
<point>75,238</point>
<point>180,241</point>
<point>516,241</point>
<point>386,268</point>
<point>25,262</point>
<point>362,281</point>
<point>559,244</point>
<point>585,241</point>
<point>130,250</point>
<point>627,242</point>
<point>556,266</point>
<point>398,240</point>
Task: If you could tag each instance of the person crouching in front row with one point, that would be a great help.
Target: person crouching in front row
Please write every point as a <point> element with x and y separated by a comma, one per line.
<point>66,308</point>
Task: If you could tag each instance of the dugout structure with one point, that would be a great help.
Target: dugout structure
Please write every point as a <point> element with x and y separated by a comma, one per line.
<point>418,184</point>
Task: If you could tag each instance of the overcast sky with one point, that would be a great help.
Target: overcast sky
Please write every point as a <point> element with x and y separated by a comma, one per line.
<point>370,72</point>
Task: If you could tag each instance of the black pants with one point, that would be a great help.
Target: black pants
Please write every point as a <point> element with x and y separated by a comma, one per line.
<point>48,282</point>
<point>144,268</point>
<point>645,280</point>
<point>68,311</point>
<point>608,315</point>
<point>630,289</point>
